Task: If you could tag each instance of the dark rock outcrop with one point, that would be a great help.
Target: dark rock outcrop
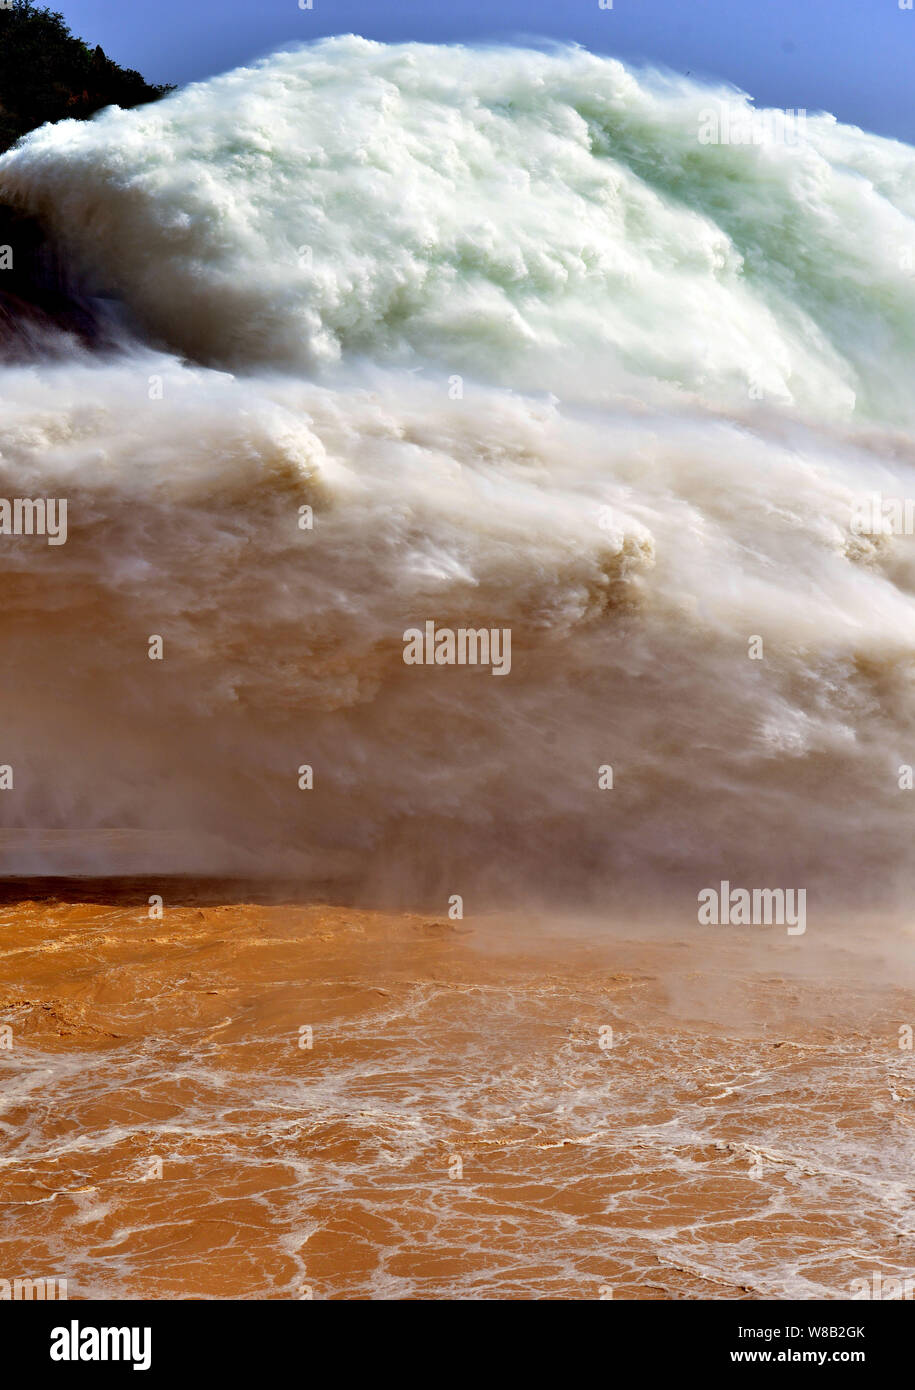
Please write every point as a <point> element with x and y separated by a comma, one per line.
<point>48,75</point>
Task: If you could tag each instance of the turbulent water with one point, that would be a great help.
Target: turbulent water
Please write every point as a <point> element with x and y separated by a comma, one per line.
<point>537,358</point>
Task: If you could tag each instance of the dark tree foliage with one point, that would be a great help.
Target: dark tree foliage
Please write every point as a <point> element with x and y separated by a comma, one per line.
<point>47,74</point>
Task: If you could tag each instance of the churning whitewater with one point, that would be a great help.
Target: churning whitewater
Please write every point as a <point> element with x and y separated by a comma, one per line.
<point>487,339</point>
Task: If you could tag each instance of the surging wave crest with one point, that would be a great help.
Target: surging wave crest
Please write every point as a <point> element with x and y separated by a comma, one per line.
<point>680,368</point>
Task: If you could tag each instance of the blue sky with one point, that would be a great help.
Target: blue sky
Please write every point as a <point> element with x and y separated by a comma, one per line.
<point>855,58</point>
